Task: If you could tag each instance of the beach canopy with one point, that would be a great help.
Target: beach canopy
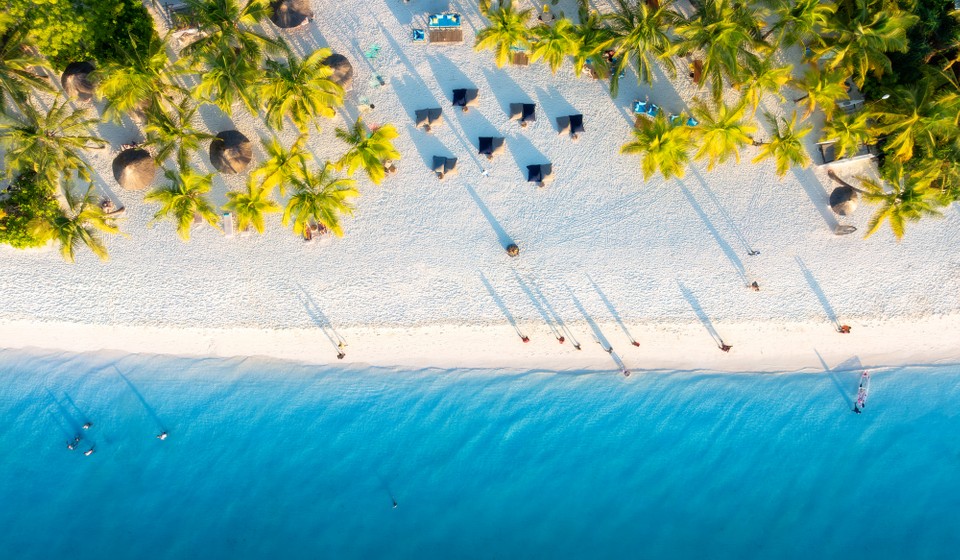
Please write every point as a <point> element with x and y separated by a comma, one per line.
<point>843,200</point>
<point>429,117</point>
<point>465,97</point>
<point>134,169</point>
<point>576,124</point>
<point>491,146</point>
<point>76,81</point>
<point>231,152</point>
<point>342,70</point>
<point>291,13</point>
<point>523,112</point>
<point>444,166</point>
<point>542,174</point>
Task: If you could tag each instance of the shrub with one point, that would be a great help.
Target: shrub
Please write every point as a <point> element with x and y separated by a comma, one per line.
<point>25,201</point>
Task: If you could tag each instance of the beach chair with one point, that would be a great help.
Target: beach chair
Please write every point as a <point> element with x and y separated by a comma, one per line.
<point>541,174</point>
<point>491,146</point>
<point>445,28</point>
<point>428,119</point>
<point>465,98</point>
<point>419,36</point>
<point>526,113</point>
<point>228,228</point>
<point>444,166</point>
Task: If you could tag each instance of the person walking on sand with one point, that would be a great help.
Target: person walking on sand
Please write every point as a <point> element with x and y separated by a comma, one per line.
<point>162,435</point>
<point>755,287</point>
<point>844,329</point>
<point>577,346</point>
<point>524,338</point>
<point>341,355</point>
<point>560,339</point>
<point>725,347</point>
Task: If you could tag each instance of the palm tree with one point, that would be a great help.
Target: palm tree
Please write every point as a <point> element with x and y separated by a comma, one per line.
<point>721,133</point>
<point>172,133</point>
<point>300,89</point>
<point>861,33</point>
<point>593,38</point>
<point>663,146</point>
<point>507,30</point>
<point>48,144</point>
<point>642,31</point>
<point>848,132</point>
<point>183,200</point>
<point>910,198</point>
<point>553,43</point>
<point>368,151</point>
<point>229,78</point>
<point>251,206</point>
<point>823,88</point>
<point>786,147</point>
<point>319,196</point>
<point>762,79</point>
<point>800,21</point>
<point>919,115</point>
<point>227,27</point>
<point>281,165</point>
<point>725,31</point>
<point>18,68</point>
<point>77,223</point>
<point>139,83</point>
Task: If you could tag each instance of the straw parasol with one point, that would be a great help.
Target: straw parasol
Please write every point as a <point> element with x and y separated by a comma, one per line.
<point>342,70</point>
<point>134,169</point>
<point>231,152</point>
<point>843,200</point>
<point>76,81</point>
<point>291,13</point>
<point>513,250</point>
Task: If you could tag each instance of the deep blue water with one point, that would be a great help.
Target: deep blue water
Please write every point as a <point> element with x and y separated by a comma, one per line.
<point>271,460</point>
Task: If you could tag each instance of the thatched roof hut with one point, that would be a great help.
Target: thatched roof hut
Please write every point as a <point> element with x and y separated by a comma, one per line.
<point>231,152</point>
<point>291,13</point>
<point>134,169</point>
<point>843,200</point>
<point>342,70</point>
<point>76,81</point>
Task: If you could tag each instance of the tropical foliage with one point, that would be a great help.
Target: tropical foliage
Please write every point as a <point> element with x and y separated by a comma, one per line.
<point>662,146</point>
<point>226,27</point>
<point>823,89</point>
<point>368,150</point>
<point>642,31</point>
<point>785,147</point>
<point>183,200</point>
<point>77,224</point>
<point>593,38</point>
<point>301,90</point>
<point>251,206</point>
<point>282,165</point>
<point>848,132</point>
<point>171,133</point>
<point>552,43</point>
<point>721,132</point>
<point>19,67</point>
<point>143,80</point>
<point>320,197</point>
<point>27,202</point>
<point>508,30</point>
<point>902,197</point>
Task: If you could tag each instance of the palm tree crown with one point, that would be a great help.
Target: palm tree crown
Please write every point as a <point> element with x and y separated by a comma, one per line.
<point>368,151</point>
<point>140,83</point>
<point>281,165</point>
<point>172,133</point>
<point>18,77</point>
<point>226,26</point>
<point>77,224</point>
<point>319,196</point>
<point>823,89</point>
<point>593,37</point>
<point>786,146</point>
<point>642,31</point>
<point>553,43</point>
<point>251,206</point>
<point>848,132</point>
<point>228,78</point>
<point>507,30</point>
<point>300,89</point>
<point>800,21</point>
<point>921,115</point>
<point>662,145</point>
<point>909,198</point>
<point>721,133</point>
<point>183,199</point>
<point>766,77</point>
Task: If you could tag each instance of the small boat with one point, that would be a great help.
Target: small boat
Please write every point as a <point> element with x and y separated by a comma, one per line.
<point>862,392</point>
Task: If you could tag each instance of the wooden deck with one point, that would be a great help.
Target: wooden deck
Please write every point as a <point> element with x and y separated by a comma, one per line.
<point>446,35</point>
<point>520,59</point>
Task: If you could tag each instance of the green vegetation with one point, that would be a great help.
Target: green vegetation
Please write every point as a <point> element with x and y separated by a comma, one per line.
<point>184,200</point>
<point>369,151</point>
<point>320,197</point>
<point>27,201</point>
<point>508,30</point>
<point>77,224</point>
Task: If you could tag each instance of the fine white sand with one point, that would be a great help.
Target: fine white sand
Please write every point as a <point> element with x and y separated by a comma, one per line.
<point>421,277</point>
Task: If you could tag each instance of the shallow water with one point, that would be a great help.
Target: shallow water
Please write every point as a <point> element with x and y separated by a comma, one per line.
<point>287,461</point>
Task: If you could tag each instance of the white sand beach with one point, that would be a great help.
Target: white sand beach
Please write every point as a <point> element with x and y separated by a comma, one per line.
<point>421,278</point>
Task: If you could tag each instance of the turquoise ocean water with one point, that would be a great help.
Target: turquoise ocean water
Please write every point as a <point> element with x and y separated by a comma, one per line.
<point>273,460</point>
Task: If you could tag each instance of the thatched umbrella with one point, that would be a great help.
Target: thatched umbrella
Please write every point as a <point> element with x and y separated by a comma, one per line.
<point>843,200</point>
<point>76,81</point>
<point>342,70</point>
<point>291,13</point>
<point>134,169</point>
<point>231,152</point>
<point>513,250</point>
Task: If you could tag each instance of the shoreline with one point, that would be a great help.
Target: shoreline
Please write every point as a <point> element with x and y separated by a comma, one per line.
<point>758,347</point>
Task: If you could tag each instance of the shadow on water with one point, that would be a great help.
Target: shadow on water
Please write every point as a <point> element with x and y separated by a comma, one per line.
<point>68,424</point>
<point>815,286</point>
<point>502,236</point>
<point>320,319</point>
<point>724,246</point>
<point>701,314</point>
<point>150,410</point>
<point>499,301</point>
<point>612,310</point>
<point>835,379</point>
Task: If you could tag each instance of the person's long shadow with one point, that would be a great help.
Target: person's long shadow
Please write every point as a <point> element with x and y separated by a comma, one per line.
<point>502,236</point>
<point>553,312</point>
<point>499,301</point>
<point>818,196</point>
<point>611,309</point>
<point>835,379</point>
<point>700,313</point>
<point>150,410</point>
<point>597,333</point>
<point>815,286</point>
<point>723,211</point>
<point>320,319</point>
<point>68,424</point>
<point>537,304</point>
<point>724,246</point>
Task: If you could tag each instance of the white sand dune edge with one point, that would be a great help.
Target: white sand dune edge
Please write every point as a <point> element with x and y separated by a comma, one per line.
<point>757,346</point>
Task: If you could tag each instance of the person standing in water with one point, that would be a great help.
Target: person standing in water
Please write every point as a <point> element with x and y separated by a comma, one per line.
<point>162,435</point>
